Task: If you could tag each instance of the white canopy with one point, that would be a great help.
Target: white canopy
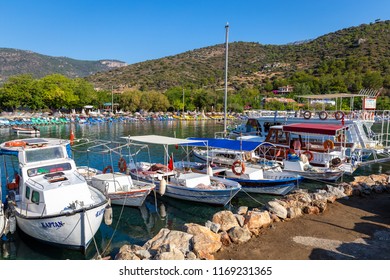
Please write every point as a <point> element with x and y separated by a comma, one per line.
<point>162,140</point>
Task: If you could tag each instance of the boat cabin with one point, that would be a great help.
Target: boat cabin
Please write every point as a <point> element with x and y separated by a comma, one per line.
<point>318,142</point>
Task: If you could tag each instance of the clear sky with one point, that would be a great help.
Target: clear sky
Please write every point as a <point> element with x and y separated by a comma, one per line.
<point>138,30</point>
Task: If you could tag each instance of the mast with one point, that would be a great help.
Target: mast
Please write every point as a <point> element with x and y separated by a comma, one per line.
<point>183,101</point>
<point>226,71</point>
<point>112,99</point>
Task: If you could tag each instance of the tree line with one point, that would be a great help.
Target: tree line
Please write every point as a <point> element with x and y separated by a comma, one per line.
<point>57,92</point>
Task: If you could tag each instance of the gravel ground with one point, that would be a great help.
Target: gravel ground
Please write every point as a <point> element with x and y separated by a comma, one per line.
<point>354,228</point>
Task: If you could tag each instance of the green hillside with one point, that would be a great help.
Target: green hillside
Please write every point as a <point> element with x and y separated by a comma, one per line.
<point>16,62</point>
<point>351,51</point>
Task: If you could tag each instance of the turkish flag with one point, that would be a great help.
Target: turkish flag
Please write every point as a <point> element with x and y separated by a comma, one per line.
<point>170,164</point>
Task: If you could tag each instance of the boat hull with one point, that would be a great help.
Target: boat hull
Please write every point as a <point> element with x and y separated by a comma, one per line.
<point>25,131</point>
<point>275,187</point>
<point>319,176</point>
<point>73,230</point>
<point>133,198</point>
<point>208,196</point>
<point>215,197</point>
<point>2,220</point>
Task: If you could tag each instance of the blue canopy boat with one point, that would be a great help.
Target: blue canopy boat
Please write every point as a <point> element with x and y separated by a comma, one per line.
<point>237,160</point>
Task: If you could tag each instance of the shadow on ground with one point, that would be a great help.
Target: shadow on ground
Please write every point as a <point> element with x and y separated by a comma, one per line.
<point>374,243</point>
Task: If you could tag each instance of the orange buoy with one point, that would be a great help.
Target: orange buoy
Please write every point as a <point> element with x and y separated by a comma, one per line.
<point>71,138</point>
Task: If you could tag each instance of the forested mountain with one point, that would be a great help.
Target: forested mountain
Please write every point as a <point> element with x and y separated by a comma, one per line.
<point>16,62</point>
<point>348,53</point>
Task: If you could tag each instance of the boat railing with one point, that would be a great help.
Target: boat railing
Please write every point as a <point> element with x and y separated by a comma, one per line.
<point>24,209</point>
<point>364,115</point>
<point>380,140</point>
<point>380,134</point>
<point>35,184</point>
<point>79,176</point>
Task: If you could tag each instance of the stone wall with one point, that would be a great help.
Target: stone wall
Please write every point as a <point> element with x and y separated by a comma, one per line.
<point>225,227</point>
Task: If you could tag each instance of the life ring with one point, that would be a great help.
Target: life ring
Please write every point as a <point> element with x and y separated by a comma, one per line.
<point>108,167</point>
<point>309,155</point>
<point>16,143</point>
<point>323,115</point>
<point>339,115</point>
<point>307,115</point>
<point>122,165</point>
<point>238,167</point>
<point>340,138</point>
<point>328,145</point>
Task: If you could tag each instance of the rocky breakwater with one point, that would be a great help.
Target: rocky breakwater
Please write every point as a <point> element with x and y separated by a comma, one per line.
<point>225,227</point>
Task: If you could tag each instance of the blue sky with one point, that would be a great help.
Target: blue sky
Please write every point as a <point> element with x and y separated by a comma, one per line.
<point>135,31</point>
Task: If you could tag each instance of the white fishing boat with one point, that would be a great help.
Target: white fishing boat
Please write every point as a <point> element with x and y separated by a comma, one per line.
<point>26,130</point>
<point>252,178</point>
<point>191,186</point>
<point>238,160</point>
<point>122,189</point>
<point>119,187</point>
<point>51,201</point>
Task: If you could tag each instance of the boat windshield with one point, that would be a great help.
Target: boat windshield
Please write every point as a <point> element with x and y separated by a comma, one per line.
<point>48,169</point>
<point>35,155</point>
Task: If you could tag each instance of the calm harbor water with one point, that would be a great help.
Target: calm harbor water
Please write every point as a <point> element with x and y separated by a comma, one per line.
<point>137,225</point>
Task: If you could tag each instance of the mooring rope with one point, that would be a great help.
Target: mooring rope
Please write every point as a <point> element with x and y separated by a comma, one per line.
<point>93,236</point>
<point>252,197</point>
<point>115,229</point>
<point>321,181</point>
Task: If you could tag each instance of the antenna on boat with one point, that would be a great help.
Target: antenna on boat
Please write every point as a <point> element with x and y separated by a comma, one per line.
<point>226,71</point>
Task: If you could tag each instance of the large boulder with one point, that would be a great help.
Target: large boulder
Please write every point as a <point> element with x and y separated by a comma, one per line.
<point>380,179</point>
<point>205,242</point>
<point>301,196</point>
<point>275,207</point>
<point>338,191</point>
<point>294,212</point>
<point>226,219</point>
<point>172,254</point>
<point>239,234</point>
<point>257,219</point>
<point>128,252</point>
<point>242,210</point>
<point>178,239</point>
<point>364,180</point>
